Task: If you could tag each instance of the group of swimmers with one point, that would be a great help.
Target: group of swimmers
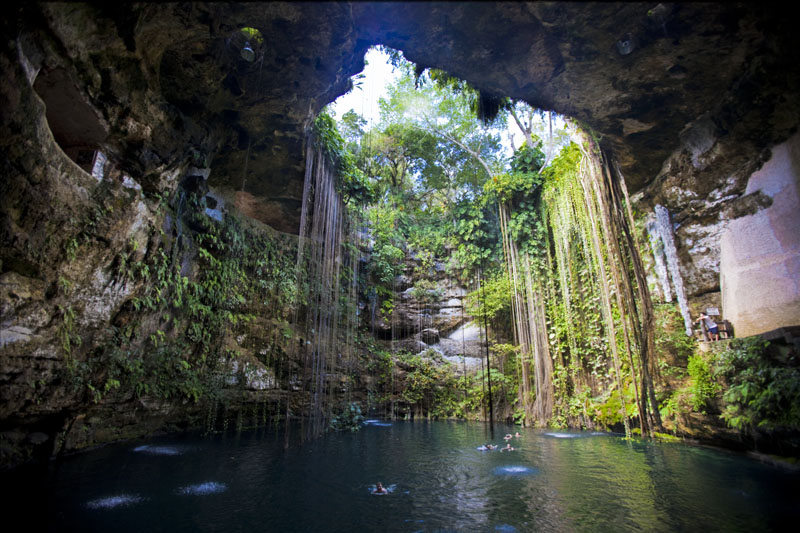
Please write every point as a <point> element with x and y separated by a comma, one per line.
<point>508,447</point>
<point>380,489</point>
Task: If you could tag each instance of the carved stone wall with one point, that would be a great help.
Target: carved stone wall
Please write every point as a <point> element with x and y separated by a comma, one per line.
<point>760,252</point>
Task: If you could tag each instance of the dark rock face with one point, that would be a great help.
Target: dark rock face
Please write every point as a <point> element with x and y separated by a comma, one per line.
<point>702,87</point>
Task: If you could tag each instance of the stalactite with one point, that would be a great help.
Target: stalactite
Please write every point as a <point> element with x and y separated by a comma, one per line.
<point>657,248</point>
<point>667,237</point>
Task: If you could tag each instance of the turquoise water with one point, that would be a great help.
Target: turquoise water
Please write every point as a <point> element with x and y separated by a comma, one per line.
<point>436,479</point>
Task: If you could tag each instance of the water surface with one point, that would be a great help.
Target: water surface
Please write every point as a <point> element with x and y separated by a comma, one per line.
<point>436,479</point>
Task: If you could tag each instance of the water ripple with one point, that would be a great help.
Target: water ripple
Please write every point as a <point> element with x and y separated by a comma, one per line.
<point>563,435</point>
<point>514,470</point>
<point>201,489</point>
<point>121,500</point>
<point>157,450</point>
<point>377,423</point>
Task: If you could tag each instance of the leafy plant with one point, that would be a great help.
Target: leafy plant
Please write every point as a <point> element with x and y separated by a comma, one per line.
<point>670,335</point>
<point>349,419</point>
<point>764,389</point>
<point>703,387</point>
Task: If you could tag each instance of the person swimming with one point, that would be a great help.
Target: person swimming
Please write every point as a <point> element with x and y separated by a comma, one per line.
<point>507,437</point>
<point>379,489</point>
<point>508,448</point>
<point>517,435</point>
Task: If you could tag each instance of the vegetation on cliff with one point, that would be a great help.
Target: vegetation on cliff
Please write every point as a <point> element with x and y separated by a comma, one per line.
<point>549,241</point>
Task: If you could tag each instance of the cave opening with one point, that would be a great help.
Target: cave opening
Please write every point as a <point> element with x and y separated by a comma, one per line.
<point>397,260</point>
<point>74,123</point>
<point>450,203</point>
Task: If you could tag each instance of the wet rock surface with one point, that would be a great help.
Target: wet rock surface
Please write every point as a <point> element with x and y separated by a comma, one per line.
<point>428,312</point>
<point>679,92</point>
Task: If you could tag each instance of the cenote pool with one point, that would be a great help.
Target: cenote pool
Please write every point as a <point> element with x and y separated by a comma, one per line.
<point>437,480</point>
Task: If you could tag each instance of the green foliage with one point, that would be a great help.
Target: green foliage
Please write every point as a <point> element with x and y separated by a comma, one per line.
<point>72,249</point>
<point>64,286</point>
<point>386,258</point>
<point>429,382</point>
<point>528,159</point>
<point>385,262</point>
<point>176,353</point>
<point>610,412</point>
<point>492,300</point>
<point>352,183</point>
<point>504,390</point>
<point>426,290</point>
<point>419,379</point>
<point>477,238</point>
<point>504,187</point>
<point>670,335</point>
<point>764,389</point>
<point>252,34</point>
<point>350,418</point>
<point>380,363</point>
<point>66,333</point>
<point>703,387</point>
<point>672,407</point>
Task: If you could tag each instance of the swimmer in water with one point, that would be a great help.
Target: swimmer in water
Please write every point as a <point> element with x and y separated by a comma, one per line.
<point>517,435</point>
<point>508,448</point>
<point>379,489</point>
<point>507,437</point>
<point>491,446</point>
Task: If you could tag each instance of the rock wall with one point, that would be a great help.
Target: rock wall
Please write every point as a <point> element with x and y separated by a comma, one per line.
<point>427,312</point>
<point>737,244</point>
<point>651,80</point>
<point>84,229</point>
<point>760,252</point>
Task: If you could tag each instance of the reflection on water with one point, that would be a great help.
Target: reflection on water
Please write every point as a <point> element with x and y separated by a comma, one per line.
<point>435,480</point>
<point>210,487</point>
<point>378,423</point>
<point>157,450</point>
<point>563,435</point>
<point>113,501</point>
<point>514,470</point>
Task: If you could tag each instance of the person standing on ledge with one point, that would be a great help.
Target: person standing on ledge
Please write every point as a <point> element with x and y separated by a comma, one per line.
<point>711,326</point>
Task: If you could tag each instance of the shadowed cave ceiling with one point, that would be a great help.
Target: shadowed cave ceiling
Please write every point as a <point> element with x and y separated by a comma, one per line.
<point>694,90</point>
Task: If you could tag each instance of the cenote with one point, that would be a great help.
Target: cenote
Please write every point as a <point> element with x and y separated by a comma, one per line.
<point>256,257</point>
<point>437,480</point>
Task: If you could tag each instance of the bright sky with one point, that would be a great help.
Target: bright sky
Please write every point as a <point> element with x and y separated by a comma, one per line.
<point>378,74</point>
